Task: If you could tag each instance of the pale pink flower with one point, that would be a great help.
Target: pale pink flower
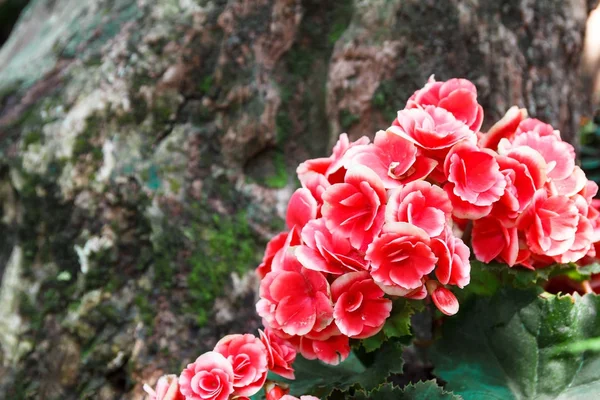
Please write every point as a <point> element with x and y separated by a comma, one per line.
<point>248,357</point>
<point>210,377</point>
<point>167,388</point>
<point>549,224</point>
<point>559,155</point>
<point>421,204</point>
<point>458,96</point>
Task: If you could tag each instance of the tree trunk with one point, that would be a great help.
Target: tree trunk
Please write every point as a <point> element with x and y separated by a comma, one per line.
<point>148,149</point>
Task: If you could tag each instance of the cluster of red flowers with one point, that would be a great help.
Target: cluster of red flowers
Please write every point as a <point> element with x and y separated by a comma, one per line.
<point>236,369</point>
<point>385,219</point>
<point>380,219</point>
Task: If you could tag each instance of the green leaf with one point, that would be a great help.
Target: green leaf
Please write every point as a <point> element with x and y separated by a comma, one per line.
<point>419,391</point>
<point>374,342</point>
<point>318,379</point>
<point>486,279</point>
<point>398,324</point>
<point>504,347</point>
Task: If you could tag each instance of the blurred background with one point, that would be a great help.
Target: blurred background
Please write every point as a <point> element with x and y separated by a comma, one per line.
<point>148,149</point>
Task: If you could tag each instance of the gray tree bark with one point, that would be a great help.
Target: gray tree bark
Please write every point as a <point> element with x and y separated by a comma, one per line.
<point>148,149</point>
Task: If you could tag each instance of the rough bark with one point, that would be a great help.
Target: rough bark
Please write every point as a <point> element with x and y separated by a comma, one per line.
<point>148,150</point>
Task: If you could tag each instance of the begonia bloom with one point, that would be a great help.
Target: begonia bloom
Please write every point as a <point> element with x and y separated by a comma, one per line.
<point>248,357</point>
<point>400,258</point>
<point>356,208</point>
<point>360,309</point>
<point>210,377</point>
<point>328,252</point>
<point>458,96</point>
<point>421,204</point>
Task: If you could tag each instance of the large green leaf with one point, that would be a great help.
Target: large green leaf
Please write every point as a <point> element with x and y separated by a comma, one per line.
<point>398,325</point>
<point>318,379</point>
<point>486,279</point>
<point>509,347</point>
<point>419,391</point>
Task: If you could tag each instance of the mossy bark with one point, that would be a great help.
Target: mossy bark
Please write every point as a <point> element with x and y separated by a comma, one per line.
<point>147,150</point>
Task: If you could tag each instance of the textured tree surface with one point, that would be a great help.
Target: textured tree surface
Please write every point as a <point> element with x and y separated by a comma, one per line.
<point>148,148</point>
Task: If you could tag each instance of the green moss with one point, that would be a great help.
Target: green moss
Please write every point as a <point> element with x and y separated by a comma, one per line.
<point>32,137</point>
<point>229,246</point>
<point>147,312</point>
<point>347,119</point>
<point>280,178</point>
<point>206,84</point>
<point>83,142</point>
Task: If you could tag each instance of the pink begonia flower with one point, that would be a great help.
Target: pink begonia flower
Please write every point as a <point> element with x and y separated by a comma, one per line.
<point>475,174</point>
<point>305,397</point>
<point>458,96</point>
<point>280,352</point>
<point>535,125</point>
<point>332,350</point>
<point>549,224</point>
<point>330,167</point>
<point>505,128</point>
<point>295,299</point>
<point>356,208</point>
<point>431,128</point>
<point>569,186</point>
<point>463,209</point>
<point>316,184</point>
<point>328,252</point>
<point>284,255</point>
<point>210,377</point>
<point>167,388</point>
<point>360,308</point>
<point>275,392</point>
<point>248,356</point>
<point>583,239</point>
<point>559,155</point>
<point>492,240</point>
<point>533,160</point>
<point>421,204</point>
<point>453,266</point>
<point>519,190</point>
<point>443,298</point>
<point>393,158</point>
<point>589,191</point>
<point>274,245</point>
<point>302,207</point>
<point>400,258</point>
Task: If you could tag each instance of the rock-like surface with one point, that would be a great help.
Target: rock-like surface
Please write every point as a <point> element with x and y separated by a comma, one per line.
<point>147,150</point>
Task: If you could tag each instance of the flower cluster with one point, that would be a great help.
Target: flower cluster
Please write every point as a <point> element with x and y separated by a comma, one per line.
<point>546,213</point>
<point>381,219</point>
<point>236,369</point>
